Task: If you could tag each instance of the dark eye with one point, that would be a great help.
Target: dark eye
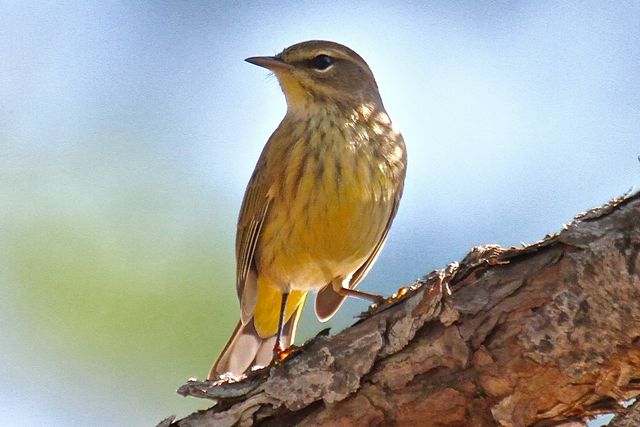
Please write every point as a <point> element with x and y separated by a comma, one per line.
<point>322,62</point>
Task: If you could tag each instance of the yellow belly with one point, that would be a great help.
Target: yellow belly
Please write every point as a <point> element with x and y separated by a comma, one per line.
<point>325,220</point>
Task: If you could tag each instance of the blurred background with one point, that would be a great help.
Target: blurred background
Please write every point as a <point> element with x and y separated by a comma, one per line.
<point>128,131</point>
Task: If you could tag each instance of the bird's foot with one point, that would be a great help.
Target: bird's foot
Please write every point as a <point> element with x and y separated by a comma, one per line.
<point>280,355</point>
<point>402,291</point>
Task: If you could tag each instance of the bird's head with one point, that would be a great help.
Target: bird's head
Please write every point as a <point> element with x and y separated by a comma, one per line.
<point>320,73</point>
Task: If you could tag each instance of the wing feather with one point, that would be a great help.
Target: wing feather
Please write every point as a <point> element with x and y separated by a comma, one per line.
<point>361,272</point>
<point>252,216</point>
<point>327,300</point>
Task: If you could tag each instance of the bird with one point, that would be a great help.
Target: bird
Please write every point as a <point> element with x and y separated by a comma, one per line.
<point>319,204</point>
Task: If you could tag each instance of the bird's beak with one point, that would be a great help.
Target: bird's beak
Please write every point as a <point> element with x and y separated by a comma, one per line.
<point>273,63</point>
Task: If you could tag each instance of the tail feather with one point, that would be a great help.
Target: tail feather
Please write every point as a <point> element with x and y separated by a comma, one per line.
<point>245,349</point>
<point>241,351</point>
<point>327,303</point>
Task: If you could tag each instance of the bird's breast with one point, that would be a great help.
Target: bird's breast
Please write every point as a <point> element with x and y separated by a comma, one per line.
<point>334,199</point>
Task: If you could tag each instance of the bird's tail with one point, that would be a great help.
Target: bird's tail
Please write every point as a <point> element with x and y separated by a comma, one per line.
<point>246,349</point>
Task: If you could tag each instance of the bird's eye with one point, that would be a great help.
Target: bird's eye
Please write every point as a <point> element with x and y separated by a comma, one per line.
<point>322,62</point>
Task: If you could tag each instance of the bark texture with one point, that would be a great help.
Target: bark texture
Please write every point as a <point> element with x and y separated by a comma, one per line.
<point>547,334</point>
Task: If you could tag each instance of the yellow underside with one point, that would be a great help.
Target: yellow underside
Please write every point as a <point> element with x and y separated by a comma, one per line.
<point>320,228</point>
<point>332,192</point>
<point>267,311</point>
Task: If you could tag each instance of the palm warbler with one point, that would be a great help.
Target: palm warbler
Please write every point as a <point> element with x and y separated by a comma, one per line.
<point>320,201</point>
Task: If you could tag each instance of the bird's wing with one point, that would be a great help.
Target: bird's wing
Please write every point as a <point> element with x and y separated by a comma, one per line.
<point>364,268</point>
<point>361,272</point>
<point>327,300</point>
<point>252,215</point>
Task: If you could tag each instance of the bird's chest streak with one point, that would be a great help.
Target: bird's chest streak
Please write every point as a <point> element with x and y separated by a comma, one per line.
<point>327,217</point>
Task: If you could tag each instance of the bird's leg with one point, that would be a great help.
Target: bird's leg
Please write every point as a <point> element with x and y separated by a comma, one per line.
<point>346,292</point>
<point>279,353</point>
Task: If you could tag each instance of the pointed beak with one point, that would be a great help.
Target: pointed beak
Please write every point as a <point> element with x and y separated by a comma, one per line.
<point>272,63</point>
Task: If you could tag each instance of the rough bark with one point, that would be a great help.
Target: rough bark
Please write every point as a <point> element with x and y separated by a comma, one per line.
<point>628,417</point>
<point>547,334</point>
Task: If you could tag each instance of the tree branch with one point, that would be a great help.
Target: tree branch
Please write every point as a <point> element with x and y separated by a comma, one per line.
<point>547,334</point>
<point>629,417</point>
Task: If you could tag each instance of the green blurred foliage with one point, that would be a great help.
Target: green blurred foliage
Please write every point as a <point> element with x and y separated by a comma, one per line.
<point>137,289</point>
